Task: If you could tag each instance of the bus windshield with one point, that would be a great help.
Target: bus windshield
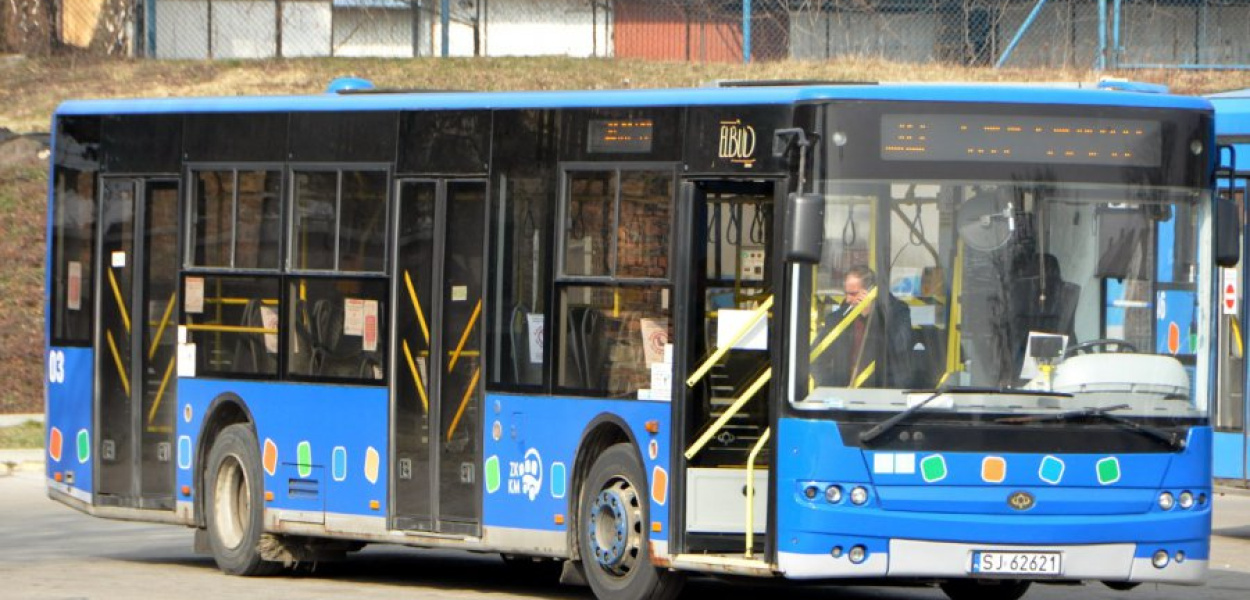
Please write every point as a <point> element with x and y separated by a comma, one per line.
<point>1030,297</point>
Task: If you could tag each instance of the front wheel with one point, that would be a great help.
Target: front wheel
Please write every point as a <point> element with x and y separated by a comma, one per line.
<point>613,531</point>
<point>985,589</point>
<point>234,503</point>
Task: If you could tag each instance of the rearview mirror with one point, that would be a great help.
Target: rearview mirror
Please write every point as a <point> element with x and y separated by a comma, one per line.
<point>1227,233</point>
<point>805,228</point>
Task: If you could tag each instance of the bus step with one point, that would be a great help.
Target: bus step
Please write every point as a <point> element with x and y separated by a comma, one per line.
<point>733,564</point>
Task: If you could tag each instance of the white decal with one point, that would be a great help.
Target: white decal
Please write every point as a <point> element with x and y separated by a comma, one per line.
<point>526,477</point>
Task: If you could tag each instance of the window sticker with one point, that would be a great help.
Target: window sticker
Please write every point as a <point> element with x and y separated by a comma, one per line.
<point>353,316</point>
<point>459,293</point>
<point>195,295</point>
<point>535,323</point>
<point>119,259</point>
<point>186,360</point>
<point>371,326</point>
<point>269,319</point>
<point>73,290</point>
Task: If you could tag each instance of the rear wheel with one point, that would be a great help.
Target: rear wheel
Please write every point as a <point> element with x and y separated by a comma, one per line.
<point>234,504</point>
<point>985,589</point>
<point>612,531</point>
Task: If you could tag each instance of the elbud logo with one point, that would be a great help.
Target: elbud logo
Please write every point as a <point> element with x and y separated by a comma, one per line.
<point>737,143</point>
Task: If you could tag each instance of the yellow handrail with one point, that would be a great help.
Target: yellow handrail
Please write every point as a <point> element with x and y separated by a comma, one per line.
<point>468,394</point>
<point>121,304</point>
<point>759,445</point>
<point>1237,335</point>
<point>117,359</point>
<point>464,337</point>
<point>238,301</point>
<point>228,328</point>
<point>728,414</point>
<point>845,323</point>
<point>864,375</point>
<point>953,363</point>
<point>416,305</point>
<point>738,335</point>
<point>160,392</point>
<point>160,330</point>
<point>416,377</point>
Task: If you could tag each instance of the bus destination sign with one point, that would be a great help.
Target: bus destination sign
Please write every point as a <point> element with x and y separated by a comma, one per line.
<point>1021,139</point>
<point>619,136</point>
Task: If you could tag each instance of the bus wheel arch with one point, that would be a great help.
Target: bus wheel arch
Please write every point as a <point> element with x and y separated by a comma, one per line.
<point>225,410</point>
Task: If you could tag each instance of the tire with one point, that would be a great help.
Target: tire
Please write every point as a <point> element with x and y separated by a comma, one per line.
<point>234,504</point>
<point>985,589</point>
<point>613,524</point>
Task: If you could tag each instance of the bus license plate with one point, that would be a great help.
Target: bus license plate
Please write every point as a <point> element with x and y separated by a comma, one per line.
<point>1017,563</point>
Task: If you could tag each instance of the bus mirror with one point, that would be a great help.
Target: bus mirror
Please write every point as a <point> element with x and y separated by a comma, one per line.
<point>805,228</point>
<point>1227,233</point>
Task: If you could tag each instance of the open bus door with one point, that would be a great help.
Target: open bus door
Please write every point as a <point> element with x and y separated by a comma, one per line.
<point>723,407</point>
<point>135,342</point>
<point>1230,414</point>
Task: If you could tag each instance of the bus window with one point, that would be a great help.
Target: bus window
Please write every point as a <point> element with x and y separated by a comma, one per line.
<point>612,327</point>
<point>338,328</point>
<point>236,219</point>
<point>233,321</point>
<point>72,255</point>
<point>340,221</point>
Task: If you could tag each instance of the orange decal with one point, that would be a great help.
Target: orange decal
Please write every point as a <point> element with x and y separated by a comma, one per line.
<point>659,485</point>
<point>54,444</point>
<point>1174,337</point>
<point>993,469</point>
<point>270,457</point>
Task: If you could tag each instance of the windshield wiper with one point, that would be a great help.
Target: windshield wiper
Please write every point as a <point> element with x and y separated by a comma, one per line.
<point>867,437</point>
<point>1171,440</point>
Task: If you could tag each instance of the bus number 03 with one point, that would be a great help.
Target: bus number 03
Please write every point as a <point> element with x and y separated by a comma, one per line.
<point>56,366</point>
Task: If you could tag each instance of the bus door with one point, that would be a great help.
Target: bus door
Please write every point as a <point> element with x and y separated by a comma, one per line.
<point>722,406</point>
<point>438,383</point>
<point>1230,415</point>
<point>136,342</point>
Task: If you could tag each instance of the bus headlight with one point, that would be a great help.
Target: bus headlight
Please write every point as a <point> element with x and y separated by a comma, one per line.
<point>859,495</point>
<point>1166,501</point>
<point>833,494</point>
<point>1186,500</point>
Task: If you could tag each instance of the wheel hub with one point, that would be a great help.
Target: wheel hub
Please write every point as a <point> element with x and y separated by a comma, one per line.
<point>614,526</point>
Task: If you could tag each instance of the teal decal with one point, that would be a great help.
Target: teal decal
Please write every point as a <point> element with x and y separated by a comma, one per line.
<point>933,468</point>
<point>557,480</point>
<point>1108,470</point>
<point>84,446</point>
<point>339,464</point>
<point>1051,470</point>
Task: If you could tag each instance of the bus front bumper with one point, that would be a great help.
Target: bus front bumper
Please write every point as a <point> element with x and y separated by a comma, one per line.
<point>919,559</point>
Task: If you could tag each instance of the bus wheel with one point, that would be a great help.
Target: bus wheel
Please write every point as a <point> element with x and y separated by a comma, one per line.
<point>613,525</point>
<point>234,503</point>
<point>979,589</point>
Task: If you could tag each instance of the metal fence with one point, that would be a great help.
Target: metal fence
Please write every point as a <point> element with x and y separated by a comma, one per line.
<point>1018,33</point>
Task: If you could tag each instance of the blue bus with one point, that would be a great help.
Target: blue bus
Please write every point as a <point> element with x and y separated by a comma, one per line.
<point>1231,438</point>
<point>950,335</point>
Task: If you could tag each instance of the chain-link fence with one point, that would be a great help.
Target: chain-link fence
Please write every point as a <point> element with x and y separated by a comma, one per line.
<point>1021,33</point>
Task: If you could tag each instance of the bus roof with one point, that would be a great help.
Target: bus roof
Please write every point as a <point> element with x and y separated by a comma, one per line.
<point>1232,112</point>
<point>633,98</point>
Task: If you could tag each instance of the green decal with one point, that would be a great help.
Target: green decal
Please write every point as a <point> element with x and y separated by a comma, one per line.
<point>84,446</point>
<point>1108,470</point>
<point>492,474</point>
<point>933,468</point>
<point>303,454</point>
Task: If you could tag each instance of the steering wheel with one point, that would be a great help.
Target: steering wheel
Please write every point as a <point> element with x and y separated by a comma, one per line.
<point>1100,346</point>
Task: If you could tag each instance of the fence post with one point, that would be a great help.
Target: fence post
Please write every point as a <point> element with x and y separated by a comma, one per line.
<point>1102,35</point>
<point>1115,36</point>
<point>746,31</point>
<point>444,10</point>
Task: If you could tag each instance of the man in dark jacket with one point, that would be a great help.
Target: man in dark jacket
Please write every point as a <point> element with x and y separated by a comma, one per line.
<point>872,351</point>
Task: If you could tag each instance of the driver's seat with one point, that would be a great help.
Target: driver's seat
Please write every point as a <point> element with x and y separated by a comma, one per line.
<point>1045,304</point>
